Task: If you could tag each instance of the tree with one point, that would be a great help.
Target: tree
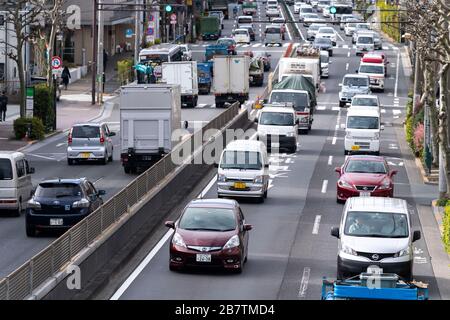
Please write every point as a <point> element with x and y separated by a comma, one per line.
<point>21,15</point>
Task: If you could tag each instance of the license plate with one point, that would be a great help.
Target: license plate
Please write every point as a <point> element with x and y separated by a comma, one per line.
<point>240,185</point>
<point>203,257</point>
<point>364,194</point>
<point>275,144</point>
<point>85,155</point>
<point>355,147</point>
<point>56,222</point>
<point>146,158</point>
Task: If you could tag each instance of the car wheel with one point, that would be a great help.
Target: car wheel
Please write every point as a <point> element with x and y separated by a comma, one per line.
<point>104,160</point>
<point>239,270</point>
<point>339,274</point>
<point>341,104</point>
<point>331,53</point>
<point>265,194</point>
<point>261,199</point>
<point>110,159</point>
<point>127,169</point>
<point>70,161</point>
<point>30,230</point>
<point>345,152</point>
<point>339,200</point>
<point>19,209</point>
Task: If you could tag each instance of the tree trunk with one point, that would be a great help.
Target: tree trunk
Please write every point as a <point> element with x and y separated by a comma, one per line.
<point>430,80</point>
<point>51,42</point>
<point>23,85</point>
<point>443,128</point>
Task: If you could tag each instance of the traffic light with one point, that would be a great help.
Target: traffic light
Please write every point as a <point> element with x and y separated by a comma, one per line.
<point>168,8</point>
<point>332,10</point>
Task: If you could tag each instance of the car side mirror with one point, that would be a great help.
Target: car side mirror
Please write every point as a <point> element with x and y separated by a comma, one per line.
<point>170,224</point>
<point>338,170</point>
<point>387,62</point>
<point>112,134</point>
<point>265,101</point>
<point>356,71</point>
<point>297,121</point>
<point>101,192</point>
<point>255,120</point>
<point>382,127</point>
<point>248,227</point>
<point>216,165</point>
<point>393,172</point>
<point>335,232</point>
<point>266,165</point>
<point>416,235</point>
<point>31,170</point>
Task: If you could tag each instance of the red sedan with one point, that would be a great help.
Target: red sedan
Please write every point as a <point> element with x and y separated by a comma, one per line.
<point>363,175</point>
<point>210,233</point>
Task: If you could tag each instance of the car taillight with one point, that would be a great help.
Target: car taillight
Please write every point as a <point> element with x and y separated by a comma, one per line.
<point>102,139</point>
<point>69,138</point>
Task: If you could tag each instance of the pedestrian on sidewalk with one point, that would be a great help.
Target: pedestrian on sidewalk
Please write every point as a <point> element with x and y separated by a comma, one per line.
<point>3,106</point>
<point>65,77</point>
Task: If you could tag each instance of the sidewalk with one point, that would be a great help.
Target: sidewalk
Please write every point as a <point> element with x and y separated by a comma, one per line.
<point>74,106</point>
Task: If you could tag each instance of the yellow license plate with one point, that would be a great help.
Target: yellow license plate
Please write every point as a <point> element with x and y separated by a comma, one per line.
<point>85,155</point>
<point>355,147</point>
<point>240,185</point>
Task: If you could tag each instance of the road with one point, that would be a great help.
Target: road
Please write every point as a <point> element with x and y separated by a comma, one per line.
<point>49,160</point>
<point>290,247</point>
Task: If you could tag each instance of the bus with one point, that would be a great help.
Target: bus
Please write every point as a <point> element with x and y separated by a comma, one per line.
<point>157,54</point>
<point>342,9</point>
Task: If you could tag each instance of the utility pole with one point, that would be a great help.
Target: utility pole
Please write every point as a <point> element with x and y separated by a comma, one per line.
<point>137,33</point>
<point>100,71</point>
<point>94,50</point>
<point>416,78</point>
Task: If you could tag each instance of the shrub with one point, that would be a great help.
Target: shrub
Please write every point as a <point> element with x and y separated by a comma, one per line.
<point>446,225</point>
<point>442,202</point>
<point>125,70</point>
<point>418,138</point>
<point>43,105</point>
<point>21,128</point>
<point>410,133</point>
<point>157,41</point>
<point>391,29</point>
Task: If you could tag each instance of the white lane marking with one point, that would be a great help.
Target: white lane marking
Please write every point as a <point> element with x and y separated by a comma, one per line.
<point>346,66</point>
<point>339,36</point>
<point>334,140</point>
<point>61,144</point>
<point>324,186</point>
<point>393,146</point>
<point>304,282</point>
<point>420,260</point>
<point>396,75</point>
<point>153,252</point>
<point>383,110</point>
<point>396,112</point>
<point>330,160</point>
<point>288,32</point>
<point>348,54</point>
<point>39,156</point>
<point>286,44</point>
<point>201,105</point>
<point>345,46</point>
<point>141,266</point>
<point>321,108</point>
<point>316,224</point>
<point>335,108</point>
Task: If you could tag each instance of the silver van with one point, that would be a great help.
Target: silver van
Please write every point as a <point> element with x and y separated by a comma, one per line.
<point>15,181</point>
<point>90,141</point>
<point>273,35</point>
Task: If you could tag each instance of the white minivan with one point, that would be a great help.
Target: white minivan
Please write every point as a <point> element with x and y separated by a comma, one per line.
<point>15,181</point>
<point>375,231</point>
<point>362,131</point>
<point>243,170</point>
<point>278,128</point>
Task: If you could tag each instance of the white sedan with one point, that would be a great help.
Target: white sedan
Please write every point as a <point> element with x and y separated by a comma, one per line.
<point>327,32</point>
<point>241,36</point>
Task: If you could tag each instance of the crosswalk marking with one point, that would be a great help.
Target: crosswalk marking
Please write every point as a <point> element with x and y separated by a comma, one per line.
<point>201,105</point>
<point>345,46</point>
<point>335,108</point>
<point>383,110</point>
<point>285,44</point>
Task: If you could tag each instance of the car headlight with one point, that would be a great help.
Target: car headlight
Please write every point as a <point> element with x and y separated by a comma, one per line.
<point>32,204</point>
<point>402,253</point>
<point>344,184</point>
<point>221,178</point>
<point>290,134</point>
<point>385,184</point>
<point>258,179</point>
<point>232,243</point>
<point>83,203</point>
<point>348,250</point>
<point>348,135</point>
<point>178,240</point>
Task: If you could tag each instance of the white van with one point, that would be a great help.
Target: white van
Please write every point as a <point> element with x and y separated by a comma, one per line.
<point>375,231</point>
<point>376,73</point>
<point>243,170</point>
<point>242,20</point>
<point>15,181</point>
<point>278,128</point>
<point>365,42</point>
<point>362,131</point>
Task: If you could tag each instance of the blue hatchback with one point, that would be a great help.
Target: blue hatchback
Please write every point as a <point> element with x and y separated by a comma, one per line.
<point>60,204</point>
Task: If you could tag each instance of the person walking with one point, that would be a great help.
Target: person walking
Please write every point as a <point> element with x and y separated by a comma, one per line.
<point>3,106</point>
<point>65,76</point>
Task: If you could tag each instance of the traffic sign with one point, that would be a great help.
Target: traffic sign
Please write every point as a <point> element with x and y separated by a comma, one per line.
<point>173,17</point>
<point>173,21</point>
<point>150,31</point>
<point>56,62</point>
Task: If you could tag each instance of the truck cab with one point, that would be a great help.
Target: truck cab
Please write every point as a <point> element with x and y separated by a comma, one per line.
<point>300,102</point>
<point>362,131</point>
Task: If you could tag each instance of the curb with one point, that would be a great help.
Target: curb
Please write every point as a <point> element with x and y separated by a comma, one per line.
<point>438,213</point>
<point>30,143</point>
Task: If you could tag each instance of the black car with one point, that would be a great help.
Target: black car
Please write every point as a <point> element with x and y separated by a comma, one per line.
<point>265,58</point>
<point>60,204</point>
<point>251,32</point>
<point>324,44</point>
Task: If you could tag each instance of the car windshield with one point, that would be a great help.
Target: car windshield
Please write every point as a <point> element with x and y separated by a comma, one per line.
<point>5,169</point>
<point>273,30</point>
<point>365,40</point>
<point>324,58</point>
<point>315,27</point>
<point>86,132</point>
<point>351,25</point>
<point>365,166</point>
<point>356,82</point>
<point>306,10</point>
<point>362,26</point>
<point>276,119</point>
<point>227,42</point>
<point>326,30</point>
<point>376,224</point>
<point>324,41</point>
<point>371,102</point>
<point>208,219</point>
<point>249,160</point>
<point>300,100</point>
<point>245,20</point>
<point>362,122</point>
<point>245,32</point>
<point>311,16</point>
<point>58,190</point>
<point>371,69</point>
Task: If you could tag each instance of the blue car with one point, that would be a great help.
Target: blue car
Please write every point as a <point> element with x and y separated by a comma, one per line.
<point>60,204</point>
<point>204,77</point>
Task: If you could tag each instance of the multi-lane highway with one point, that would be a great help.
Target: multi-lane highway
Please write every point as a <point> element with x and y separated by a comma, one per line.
<point>290,248</point>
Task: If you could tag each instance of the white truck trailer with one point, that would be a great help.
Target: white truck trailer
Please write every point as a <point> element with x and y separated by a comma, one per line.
<point>184,74</point>
<point>149,113</point>
<point>231,81</point>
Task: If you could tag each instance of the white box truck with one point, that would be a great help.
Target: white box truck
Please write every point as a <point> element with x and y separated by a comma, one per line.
<point>149,113</point>
<point>231,81</point>
<point>184,74</point>
<point>306,66</point>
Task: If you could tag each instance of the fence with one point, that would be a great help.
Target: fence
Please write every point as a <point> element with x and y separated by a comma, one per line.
<point>53,259</point>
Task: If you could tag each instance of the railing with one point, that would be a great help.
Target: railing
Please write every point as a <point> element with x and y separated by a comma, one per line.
<point>53,259</point>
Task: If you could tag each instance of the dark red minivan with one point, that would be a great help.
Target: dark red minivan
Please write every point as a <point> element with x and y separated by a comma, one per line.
<point>210,233</point>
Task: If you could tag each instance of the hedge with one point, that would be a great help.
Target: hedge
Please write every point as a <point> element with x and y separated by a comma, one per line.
<point>446,225</point>
<point>21,127</point>
<point>390,29</point>
<point>43,105</point>
<point>125,71</point>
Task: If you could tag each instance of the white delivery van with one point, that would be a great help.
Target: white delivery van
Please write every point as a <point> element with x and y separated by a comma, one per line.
<point>278,128</point>
<point>243,170</point>
<point>376,73</point>
<point>15,181</point>
<point>375,231</point>
<point>370,101</point>
<point>365,42</point>
<point>362,131</point>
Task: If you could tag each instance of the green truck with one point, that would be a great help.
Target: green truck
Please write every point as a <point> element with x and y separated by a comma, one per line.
<point>249,8</point>
<point>210,28</point>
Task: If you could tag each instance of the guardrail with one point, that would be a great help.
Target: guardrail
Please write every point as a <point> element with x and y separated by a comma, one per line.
<point>58,255</point>
<point>288,13</point>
